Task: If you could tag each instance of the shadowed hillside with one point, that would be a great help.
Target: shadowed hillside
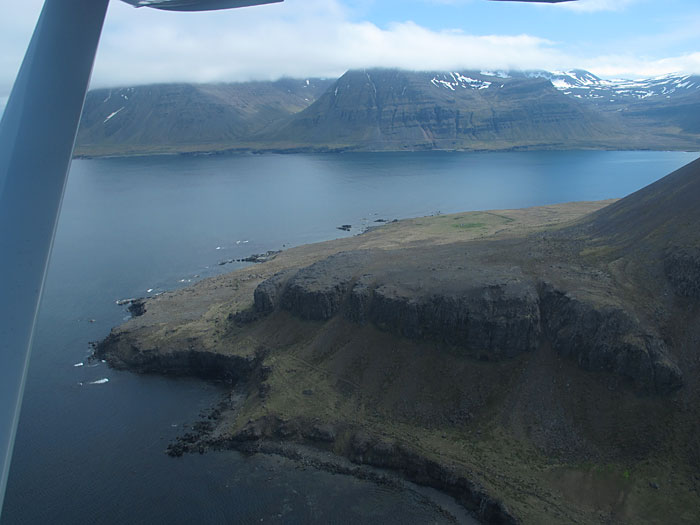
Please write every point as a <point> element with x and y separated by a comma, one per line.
<point>166,118</point>
<point>654,218</point>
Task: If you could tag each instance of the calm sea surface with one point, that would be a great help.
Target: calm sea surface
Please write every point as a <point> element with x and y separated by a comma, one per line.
<point>93,453</point>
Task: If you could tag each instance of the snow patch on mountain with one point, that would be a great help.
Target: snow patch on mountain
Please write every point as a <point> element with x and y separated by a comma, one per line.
<point>456,80</point>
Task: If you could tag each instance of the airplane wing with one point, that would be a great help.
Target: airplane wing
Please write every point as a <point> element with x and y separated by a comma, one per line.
<point>537,1</point>
<point>197,5</point>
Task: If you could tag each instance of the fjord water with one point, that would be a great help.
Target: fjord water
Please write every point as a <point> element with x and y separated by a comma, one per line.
<point>91,451</point>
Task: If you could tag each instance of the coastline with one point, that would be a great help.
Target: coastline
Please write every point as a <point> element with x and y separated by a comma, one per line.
<point>196,151</point>
<point>295,388</point>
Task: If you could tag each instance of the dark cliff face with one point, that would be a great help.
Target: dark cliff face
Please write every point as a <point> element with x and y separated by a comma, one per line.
<point>362,448</point>
<point>489,312</point>
<point>492,321</point>
<point>319,291</point>
<point>493,316</point>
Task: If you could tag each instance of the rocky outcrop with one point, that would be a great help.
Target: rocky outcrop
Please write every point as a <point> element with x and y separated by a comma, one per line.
<point>682,268</point>
<point>607,338</point>
<point>137,307</point>
<point>122,354</point>
<point>318,291</point>
<point>267,294</point>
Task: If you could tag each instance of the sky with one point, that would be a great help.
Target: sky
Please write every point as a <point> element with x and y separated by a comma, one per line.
<point>324,38</point>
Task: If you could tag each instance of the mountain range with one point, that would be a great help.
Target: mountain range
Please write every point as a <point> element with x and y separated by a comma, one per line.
<point>395,110</point>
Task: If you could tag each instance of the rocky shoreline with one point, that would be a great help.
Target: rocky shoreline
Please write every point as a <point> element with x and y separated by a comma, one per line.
<point>311,444</point>
<point>300,440</point>
<point>364,450</point>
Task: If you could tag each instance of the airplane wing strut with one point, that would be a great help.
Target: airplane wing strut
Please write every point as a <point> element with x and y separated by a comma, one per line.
<point>37,133</point>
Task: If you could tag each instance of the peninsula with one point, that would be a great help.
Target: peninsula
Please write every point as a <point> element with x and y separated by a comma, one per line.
<point>540,365</point>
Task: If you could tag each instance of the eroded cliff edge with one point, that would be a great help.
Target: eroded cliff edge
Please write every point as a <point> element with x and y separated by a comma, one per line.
<point>541,365</point>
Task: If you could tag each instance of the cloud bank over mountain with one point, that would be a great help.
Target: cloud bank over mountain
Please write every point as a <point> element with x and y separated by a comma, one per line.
<point>324,38</point>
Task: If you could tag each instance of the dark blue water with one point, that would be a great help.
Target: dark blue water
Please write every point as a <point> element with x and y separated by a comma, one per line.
<point>93,453</point>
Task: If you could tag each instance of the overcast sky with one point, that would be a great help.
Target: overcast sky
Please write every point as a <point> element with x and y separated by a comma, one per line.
<point>303,38</point>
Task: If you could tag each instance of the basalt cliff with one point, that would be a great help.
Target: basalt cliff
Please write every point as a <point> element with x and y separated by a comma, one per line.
<point>540,365</point>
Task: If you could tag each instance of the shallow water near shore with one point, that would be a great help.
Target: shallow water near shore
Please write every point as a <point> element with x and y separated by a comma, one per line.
<point>90,450</point>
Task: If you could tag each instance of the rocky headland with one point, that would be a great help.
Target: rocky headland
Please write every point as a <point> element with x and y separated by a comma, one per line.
<point>539,365</point>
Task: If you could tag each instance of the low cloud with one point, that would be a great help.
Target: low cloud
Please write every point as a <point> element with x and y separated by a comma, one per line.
<point>307,48</point>
<point>627,66</point>
<point>304,38</point>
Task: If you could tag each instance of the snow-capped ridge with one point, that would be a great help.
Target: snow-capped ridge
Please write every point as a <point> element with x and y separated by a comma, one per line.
<point>579,83</point>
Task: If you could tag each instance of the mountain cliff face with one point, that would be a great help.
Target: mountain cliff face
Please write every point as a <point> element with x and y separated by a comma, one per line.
<point>383,109</point>
<point>394,110</point>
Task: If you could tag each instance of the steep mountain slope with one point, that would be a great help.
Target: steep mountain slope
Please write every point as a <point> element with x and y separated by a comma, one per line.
<point>652,237</point>
<point>183,117</point>
<point>660,215</point>
<point>392,109</point>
